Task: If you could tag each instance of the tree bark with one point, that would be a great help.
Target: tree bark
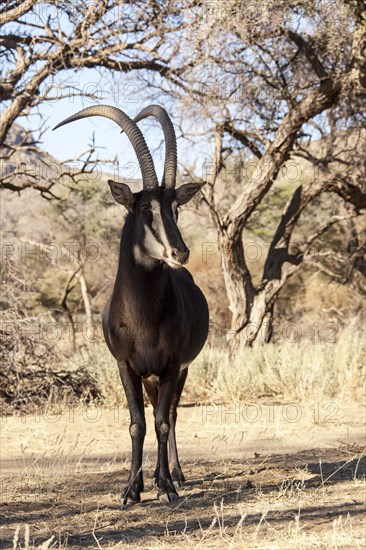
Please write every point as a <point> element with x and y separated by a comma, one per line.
<point>90,332</point>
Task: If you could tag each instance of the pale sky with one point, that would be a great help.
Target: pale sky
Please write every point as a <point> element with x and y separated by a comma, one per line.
<point>71,140</point>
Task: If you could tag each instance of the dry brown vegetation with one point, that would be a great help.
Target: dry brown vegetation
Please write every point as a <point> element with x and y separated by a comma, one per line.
<point>273,448</point>
<point>259,485</point>
<point>272,442</point>
<point>288,371</point>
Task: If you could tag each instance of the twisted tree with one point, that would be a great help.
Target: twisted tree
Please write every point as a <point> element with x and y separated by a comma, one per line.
<point>277,84</point>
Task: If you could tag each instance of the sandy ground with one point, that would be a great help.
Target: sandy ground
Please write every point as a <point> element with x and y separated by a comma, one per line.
<point>258,476</point>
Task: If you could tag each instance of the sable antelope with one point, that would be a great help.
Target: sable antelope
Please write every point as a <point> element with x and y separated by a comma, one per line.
<point>156,321</point>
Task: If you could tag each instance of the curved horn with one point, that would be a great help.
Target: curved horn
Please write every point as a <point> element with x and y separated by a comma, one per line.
<point>149,177</point>
<point>170,164</point>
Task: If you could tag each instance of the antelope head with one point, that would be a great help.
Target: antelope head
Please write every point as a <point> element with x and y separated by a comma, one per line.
<point>154,210</point>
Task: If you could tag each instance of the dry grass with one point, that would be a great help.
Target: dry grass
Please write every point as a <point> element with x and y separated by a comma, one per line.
<point>61,499</point>
<point>102,367</point>
<point>270,484</point>
<point>265,535</point>
<point>296,372</point>
<point>300,372</point>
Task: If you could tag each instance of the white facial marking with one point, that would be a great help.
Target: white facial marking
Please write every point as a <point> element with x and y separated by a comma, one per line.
<point>141,258</point>
<point>155,249</point>
<point>159,226</point>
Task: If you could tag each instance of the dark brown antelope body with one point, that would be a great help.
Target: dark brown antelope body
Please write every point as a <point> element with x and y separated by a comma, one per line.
<point>156,321</point>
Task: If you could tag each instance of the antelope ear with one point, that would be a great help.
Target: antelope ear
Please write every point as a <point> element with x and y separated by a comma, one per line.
<point>122,194</point>
<point>186,192</point>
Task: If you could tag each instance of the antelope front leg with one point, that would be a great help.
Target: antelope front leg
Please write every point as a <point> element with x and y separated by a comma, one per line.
<point>175,469</point>
<point>167,386</point>
<point>133,389</point>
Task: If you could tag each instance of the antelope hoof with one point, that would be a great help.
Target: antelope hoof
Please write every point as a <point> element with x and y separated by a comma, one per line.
<point>178,483</point>
<point>167,492</point>
<point>167,498</point>
<point>178,478</point>
<point>131,495</point>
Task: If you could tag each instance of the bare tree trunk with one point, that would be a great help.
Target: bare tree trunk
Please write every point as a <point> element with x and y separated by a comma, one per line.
<point>68,288</point>
<point>252,324</point>
<point>252,309</point>
<point>87,306</point>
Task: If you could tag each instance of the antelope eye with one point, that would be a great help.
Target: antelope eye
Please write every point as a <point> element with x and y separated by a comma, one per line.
<point>145,207</point>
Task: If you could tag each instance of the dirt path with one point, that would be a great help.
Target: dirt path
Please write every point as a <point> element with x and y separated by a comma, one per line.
<point>258,476</point>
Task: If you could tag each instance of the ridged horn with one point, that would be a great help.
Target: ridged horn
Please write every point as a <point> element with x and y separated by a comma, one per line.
<point>134,134</point>
<point>170,164</point>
